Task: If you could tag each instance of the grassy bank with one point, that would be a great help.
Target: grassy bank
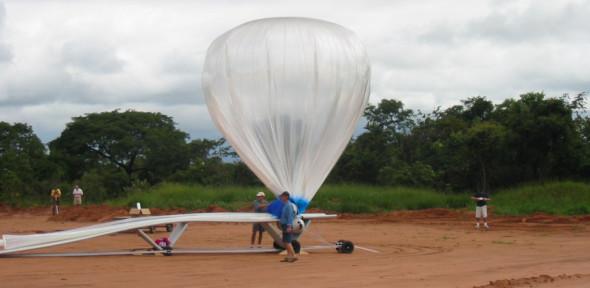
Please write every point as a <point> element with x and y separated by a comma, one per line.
<point>174,195</point>
<point>560,198</point>
<point>339,198</point>
<point>368,199</point>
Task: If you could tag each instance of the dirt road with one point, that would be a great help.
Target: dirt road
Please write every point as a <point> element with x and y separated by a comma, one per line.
<point>422,249</point>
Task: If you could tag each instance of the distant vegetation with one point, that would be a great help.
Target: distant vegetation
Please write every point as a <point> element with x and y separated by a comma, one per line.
<point>441,156</point>
<point>340,198</point>
<point>191,196</point>
<point>560,198</point>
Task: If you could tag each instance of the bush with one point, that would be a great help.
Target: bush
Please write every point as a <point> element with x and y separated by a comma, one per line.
<point>454,201</point>
<point>11,188</point>
<point>104,184</point>
<point>416,174</point>
<point>93,185</point>
<point>192,196</point>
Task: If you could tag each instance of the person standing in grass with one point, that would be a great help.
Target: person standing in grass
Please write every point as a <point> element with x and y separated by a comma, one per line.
<point>259,207</point>
<point>77,193</point>
<point>286,220</point>
<point>481,208</point>
<point>55,196</point>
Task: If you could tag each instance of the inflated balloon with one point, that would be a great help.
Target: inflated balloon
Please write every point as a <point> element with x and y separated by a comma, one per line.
<point>287,94</point>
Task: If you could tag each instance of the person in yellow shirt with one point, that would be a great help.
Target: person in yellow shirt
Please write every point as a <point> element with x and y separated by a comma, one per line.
<point>55,196</point>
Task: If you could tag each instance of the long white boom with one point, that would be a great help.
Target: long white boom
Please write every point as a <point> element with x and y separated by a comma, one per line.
<point>15,243</point>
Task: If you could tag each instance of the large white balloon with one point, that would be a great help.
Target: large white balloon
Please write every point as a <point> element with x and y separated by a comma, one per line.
<point>287,94</point>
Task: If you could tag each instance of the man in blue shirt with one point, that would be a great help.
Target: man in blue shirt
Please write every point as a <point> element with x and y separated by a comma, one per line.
<point>286,221</point>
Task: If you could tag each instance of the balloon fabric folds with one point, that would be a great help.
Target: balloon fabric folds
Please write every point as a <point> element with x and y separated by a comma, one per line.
<point>287,93</point>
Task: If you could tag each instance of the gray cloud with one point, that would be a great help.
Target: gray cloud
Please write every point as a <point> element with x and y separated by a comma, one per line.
<point>49,119</point>
<point>516,22</point>
<point>91,56</point>
<point>5,53</point>
<point>537,21</point>
<point>68,59</point>
<point>45,87</point>
<point>508,48</point>
<point>182,64</point>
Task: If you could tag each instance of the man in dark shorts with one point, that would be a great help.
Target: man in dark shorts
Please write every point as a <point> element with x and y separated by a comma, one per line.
<point>259,207</point>
<point>286,221</point>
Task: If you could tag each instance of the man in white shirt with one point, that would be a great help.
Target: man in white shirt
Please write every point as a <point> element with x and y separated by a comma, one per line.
<point>77,195</point>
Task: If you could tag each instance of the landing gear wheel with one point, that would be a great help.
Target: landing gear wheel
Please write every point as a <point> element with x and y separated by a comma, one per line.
<point>169,227</point>
<point>168,251</point>
<point>344,246</point>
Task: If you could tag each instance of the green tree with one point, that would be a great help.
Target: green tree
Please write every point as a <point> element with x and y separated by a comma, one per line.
<point>143,145</point>
<point>23,162</point>
<point>212,162</point>
<point>388,125</point>
<point>485,142</point>
<point>390,116</point>
<point>543,135</point>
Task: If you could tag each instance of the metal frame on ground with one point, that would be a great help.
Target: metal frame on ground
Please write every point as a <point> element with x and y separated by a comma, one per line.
<point>11,245</point>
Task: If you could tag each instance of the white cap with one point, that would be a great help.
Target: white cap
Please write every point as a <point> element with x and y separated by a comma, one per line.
<point>260,194</point>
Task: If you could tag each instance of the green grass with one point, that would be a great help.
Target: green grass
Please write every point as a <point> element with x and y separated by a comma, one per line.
<point>558,198</point>
<point>174,195</point>
<point>370,199</point>
<point>338,198</point>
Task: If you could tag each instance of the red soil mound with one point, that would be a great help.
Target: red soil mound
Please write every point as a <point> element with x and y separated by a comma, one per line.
<point>88,213</point>
<point>92,213</point>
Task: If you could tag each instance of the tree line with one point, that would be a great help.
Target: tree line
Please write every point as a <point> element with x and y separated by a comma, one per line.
<point>475,145</point>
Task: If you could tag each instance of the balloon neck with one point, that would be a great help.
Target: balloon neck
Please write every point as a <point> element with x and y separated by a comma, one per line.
<point>301,204</point>
<point>276,207</point>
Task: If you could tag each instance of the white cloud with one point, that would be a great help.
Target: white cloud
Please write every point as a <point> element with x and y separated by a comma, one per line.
<point>90,56</point>
<point>5,53</point>
<point>60,59</point>
<point>49,119</point>
<point>536,22</point>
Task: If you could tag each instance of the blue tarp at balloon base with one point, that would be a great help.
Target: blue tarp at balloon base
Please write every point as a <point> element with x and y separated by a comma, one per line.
<point>276,207</point>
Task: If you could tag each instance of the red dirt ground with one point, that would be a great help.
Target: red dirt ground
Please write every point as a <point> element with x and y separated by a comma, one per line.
<point>428,248</point>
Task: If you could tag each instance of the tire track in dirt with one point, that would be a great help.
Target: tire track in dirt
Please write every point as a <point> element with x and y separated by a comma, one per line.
<point>534,281</point>
<point>414,250</point>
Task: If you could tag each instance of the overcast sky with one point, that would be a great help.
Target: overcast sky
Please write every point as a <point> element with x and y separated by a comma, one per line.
<point>60,59</point>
